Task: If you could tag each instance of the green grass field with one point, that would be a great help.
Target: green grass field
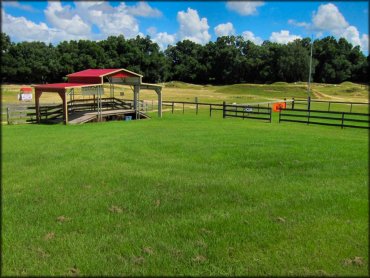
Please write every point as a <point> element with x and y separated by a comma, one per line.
<point>184,195</point>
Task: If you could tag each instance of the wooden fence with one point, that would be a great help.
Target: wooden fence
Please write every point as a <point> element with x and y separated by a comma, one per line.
<point>322,117</point>
<point>228,110</point>
<point>18,114</point>
<point>342,106</point>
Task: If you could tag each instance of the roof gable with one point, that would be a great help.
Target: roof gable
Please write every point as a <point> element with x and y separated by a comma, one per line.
<point>102,73</point>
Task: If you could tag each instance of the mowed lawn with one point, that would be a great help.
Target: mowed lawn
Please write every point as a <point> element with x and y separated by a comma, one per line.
<point>184,195</point>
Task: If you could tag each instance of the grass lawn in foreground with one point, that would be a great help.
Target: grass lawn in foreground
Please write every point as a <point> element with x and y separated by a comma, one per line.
<point>184,195</point>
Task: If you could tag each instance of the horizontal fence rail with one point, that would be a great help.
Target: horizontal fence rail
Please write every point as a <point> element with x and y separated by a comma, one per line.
<point>247,112</point>
<point>322,117</point>
<point>20,114</point>
<point>228,110</point>
<point>342,106</point>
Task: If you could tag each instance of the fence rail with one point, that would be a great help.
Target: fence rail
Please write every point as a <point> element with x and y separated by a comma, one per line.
<point>322,117</point>
<point>20,114</point>
<point>247,112</point>
<point>228,110</point>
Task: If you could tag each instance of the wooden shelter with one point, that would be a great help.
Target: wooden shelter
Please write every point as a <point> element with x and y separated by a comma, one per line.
<point>91,83</point>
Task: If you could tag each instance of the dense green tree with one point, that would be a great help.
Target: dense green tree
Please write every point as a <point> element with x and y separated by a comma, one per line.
<point>185,60</point>
<point>230,59</point>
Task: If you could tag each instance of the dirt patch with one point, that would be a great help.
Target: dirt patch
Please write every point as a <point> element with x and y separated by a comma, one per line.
<point>73,271</point>
<point>148,251</point>
<point>49,236</point>
<point>138,260</point>
<point>357,261</point>
<point>115,209</point>
<point>205,231</point>
<point>157,203</point>
<point>63,218</point>
<point>201,243</point>
<point>42,253</point>
<point>199,259</point>
<point>280,219</point>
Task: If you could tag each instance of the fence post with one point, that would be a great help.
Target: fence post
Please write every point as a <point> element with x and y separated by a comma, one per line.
<point>309,103</point>
<point>223,109</point>
<point>8,115</point>
<point>183,108</point>
<point>329,106</point>
<point>350,110</point>
<point>279,116</point>
<point>210,110</point>
<point>196,107</point>
<point>342,119</point>
<point>271,114</point>
<point>308,118</point>
<point>292,102</point>
<point>172,106</point>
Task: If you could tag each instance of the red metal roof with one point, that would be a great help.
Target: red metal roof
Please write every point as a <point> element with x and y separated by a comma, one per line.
<point>89,77</point>
<point>102,72</point>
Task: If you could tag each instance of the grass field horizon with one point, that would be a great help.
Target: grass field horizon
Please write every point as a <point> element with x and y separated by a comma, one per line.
<point>184,195</point>
<point>239,93</point>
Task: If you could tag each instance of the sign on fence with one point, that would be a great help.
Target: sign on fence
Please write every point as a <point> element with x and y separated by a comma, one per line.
<point>276,107</point>
<point>24,97</point>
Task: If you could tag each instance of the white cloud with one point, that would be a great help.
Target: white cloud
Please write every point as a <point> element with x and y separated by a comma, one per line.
<point>225,29</point>
<point>299,24</point>
<point>64,18</point>
<point>144,10</point>
<point>151,31</point>
<point>244,7</point>
<point>192,27</point>
<point>248,35</point>
<point>352,35</point>
<point>328,17</point>
<point>164,39</point>
<point>283,37</point>
<point>21,29</point>
<point>365,42</point>
<point>110,20</point>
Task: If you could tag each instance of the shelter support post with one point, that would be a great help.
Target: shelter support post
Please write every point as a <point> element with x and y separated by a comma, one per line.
<point>136,100</point>
<point>65,106</point>
<point>159,93</point>
<point>38,94</point>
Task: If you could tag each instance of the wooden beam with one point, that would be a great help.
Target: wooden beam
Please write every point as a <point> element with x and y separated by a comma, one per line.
<point>63,96</point>
<point>136,99</point>
<point>159,93</point>
<point>38,94</point>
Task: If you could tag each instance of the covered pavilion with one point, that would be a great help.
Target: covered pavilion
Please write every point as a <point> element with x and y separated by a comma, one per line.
<point>91,83</point>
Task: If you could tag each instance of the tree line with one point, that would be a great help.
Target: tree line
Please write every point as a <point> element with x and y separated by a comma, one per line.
<point>228,60</point>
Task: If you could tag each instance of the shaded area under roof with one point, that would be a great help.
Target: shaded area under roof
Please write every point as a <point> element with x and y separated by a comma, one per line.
<point>59,86</point>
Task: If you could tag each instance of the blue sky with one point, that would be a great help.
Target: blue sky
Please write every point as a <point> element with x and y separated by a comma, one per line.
<point>168,22</point>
